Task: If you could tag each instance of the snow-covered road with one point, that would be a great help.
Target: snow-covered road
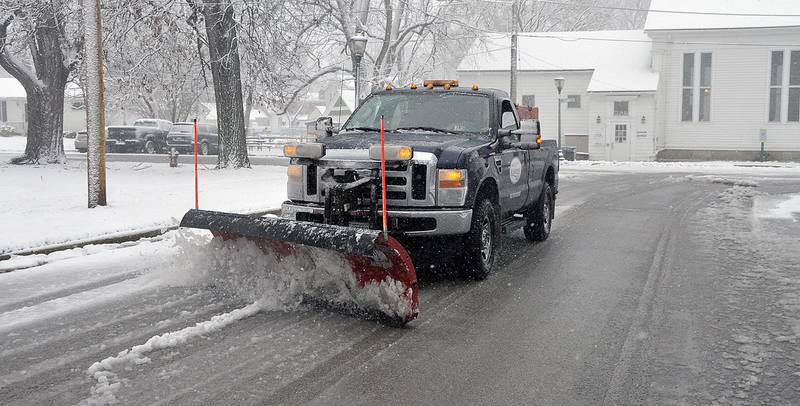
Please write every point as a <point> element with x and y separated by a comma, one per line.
<point>654,288</point>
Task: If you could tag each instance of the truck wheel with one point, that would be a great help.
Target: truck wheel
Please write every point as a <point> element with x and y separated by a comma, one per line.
<point>204,148</point>
<point>150,147</point>
<point>482,241</point>
<point>540,219</point>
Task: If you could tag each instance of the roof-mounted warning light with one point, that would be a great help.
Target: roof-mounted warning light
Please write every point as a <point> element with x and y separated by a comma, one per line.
<point>445,83</point>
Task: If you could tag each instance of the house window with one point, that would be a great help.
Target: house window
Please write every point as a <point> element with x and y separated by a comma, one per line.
<point>573,101</point>
<point>696,87</point>
<point>783,91</point>
<point>705,87</point>
<point>620,133</point>
<point>621,108</point>
<point>3,111</point>
<point>528,100</point>
<point>688,87</point>
<point>794,87</point>
<point>775,86</point>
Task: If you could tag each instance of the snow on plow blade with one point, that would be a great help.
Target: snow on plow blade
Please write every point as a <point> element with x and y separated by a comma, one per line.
<point>352,266</point>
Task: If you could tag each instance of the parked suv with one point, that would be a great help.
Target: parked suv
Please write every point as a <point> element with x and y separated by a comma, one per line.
<point>148,135</point>
<point>181,138</point>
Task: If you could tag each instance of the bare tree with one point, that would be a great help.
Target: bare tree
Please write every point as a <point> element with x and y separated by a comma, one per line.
<point>153,67</point>
<point>223,49</point>
<point>38,31</point>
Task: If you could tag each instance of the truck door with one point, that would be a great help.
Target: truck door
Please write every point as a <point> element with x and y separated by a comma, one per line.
<point>512,168</point>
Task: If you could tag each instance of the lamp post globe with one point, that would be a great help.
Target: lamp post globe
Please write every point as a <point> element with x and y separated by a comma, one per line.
<point>358,46</point>
<point>559,81</point>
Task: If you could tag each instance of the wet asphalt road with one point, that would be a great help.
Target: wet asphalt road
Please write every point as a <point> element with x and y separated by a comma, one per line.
<point>653,289</point>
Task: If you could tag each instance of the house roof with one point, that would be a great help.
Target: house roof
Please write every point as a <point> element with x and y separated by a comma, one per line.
<point>11,88</point>
<point>619,60</point>
<point>755,14</point>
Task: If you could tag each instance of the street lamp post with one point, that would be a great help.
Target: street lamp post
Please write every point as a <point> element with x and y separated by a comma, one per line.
<point>358,46</point>
<point>559,81</point>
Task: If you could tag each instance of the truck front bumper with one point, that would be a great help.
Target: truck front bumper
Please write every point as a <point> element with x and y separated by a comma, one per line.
<point>406,221</point>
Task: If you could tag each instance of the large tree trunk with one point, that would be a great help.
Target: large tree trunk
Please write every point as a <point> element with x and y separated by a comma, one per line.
<point>44,88</point>
<point>224,60</point>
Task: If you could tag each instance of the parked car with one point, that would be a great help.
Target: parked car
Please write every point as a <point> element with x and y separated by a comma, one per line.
<point>81,141</point>
<point>7,130</point>
<point>148,135</point>
<point>70,134</point>
<point>181,138</point>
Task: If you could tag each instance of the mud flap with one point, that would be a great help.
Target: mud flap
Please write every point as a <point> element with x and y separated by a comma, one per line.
<point>355,267</point>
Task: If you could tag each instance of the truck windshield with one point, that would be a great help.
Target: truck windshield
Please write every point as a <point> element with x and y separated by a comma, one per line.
<point>435,112</point>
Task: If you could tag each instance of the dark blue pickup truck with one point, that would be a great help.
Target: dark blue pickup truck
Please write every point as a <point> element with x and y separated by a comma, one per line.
<point>460,164</point>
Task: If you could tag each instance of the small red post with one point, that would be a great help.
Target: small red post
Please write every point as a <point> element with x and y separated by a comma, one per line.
<point>383,182</point>
<point>196,191</point>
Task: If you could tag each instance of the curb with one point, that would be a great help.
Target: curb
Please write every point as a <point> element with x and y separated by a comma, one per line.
<point>105,239</point>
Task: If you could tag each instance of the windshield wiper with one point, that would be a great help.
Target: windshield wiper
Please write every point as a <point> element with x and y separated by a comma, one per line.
<point>362,129</point>
<point>429,129</point>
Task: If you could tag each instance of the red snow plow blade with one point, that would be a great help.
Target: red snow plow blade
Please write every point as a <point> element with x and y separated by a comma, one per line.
<point>354,266</point>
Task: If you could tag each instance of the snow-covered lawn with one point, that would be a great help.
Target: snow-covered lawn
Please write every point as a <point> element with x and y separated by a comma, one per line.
<point>17,144</point>
<point>45,205</point>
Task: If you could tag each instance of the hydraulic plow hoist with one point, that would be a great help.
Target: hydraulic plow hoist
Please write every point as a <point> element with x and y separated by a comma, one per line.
<point>353,260</point>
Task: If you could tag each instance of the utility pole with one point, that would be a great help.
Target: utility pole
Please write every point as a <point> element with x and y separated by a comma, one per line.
<point>95,104</point>
<point>514,19</point>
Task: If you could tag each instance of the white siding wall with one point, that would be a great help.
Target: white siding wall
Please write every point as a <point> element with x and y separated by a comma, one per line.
<point>540,84</point>
<point>739,92</point>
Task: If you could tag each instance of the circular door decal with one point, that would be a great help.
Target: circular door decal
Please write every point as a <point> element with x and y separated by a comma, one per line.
<point>515,170</point>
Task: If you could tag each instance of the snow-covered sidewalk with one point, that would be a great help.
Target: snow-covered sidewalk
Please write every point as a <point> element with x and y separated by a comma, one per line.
<point>790,169</point>
<point>42,206</point>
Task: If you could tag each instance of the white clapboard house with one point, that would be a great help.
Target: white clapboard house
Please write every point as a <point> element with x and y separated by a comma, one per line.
<point>707,79</point>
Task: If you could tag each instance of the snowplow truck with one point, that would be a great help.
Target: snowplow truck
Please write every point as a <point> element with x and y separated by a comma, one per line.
<point>414,163</point>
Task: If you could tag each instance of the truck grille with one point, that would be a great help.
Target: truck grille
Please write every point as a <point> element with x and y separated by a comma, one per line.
<point>407,184</point>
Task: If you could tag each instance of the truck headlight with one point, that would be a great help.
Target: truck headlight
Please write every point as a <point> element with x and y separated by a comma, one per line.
<point>452,178</point>
<point>392,153</point>
<point>294,185</point>
<point>305,150</point>
<point>452,190</point>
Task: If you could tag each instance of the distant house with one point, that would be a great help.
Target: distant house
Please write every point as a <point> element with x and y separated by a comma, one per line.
<point>692,85</point>
<point>609,106</point>
<point>13,100</point>
<point>717,98</point>
<point>12,105</point>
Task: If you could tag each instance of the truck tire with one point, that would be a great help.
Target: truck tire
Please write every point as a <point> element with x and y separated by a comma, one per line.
<point>204,148</point>
<point>150,147</point>
<point>482,241</point>
<point>540,219</point>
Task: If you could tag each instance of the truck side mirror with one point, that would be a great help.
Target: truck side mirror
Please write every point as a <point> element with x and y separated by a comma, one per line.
<point>324,126</point>
<point>527,139</point>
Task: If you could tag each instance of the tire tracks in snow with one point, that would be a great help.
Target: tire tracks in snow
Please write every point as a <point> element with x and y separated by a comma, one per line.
<point>635,349</point>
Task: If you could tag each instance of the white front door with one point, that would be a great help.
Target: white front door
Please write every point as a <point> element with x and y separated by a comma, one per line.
<point>620,142</point>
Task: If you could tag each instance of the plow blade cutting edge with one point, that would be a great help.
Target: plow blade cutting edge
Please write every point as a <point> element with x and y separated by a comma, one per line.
<point>354,266</point>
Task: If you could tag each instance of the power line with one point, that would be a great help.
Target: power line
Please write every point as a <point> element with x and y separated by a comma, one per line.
<point>707,13</point>
<point>637,9</point>
<point>651,41</point>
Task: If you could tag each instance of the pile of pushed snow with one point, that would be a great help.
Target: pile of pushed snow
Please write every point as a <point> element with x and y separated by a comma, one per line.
<point>242,271</point>
<point>729,181</point>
